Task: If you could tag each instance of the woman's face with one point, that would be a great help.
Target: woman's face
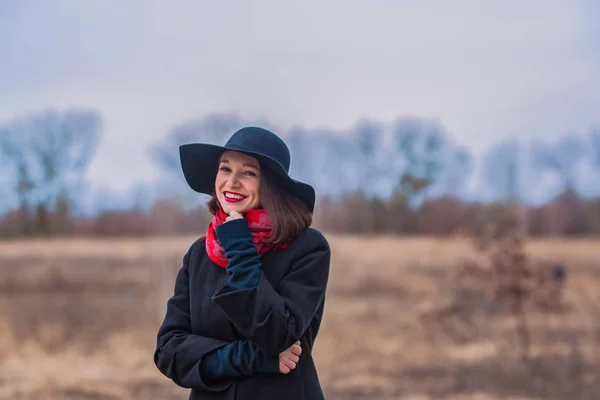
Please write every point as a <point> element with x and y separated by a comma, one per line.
<point>238,182</point>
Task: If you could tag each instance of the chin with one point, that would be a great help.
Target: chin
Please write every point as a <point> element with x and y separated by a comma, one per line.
<point>234,207</point>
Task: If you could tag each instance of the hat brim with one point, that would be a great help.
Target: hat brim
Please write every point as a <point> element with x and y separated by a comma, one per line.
<point>200,164</point>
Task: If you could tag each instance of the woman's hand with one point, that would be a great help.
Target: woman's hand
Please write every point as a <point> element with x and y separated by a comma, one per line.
<point>289,358</point>
<point>233,215</point>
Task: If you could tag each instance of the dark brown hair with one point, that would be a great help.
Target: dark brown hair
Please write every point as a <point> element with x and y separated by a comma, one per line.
<point>289,215</point>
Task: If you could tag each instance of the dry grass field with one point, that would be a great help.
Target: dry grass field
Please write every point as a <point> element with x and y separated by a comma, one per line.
<point>78,320</point>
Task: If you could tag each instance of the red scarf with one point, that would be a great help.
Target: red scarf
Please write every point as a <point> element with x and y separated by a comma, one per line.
<point>260,230</point>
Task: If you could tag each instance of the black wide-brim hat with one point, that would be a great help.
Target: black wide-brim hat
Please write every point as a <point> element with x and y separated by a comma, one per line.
<point>200,161</point>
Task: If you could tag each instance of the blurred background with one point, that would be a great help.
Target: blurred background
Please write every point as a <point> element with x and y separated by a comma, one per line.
<point>454,147</point>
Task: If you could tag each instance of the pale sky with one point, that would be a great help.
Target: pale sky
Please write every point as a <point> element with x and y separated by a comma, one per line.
<point>487,70</point>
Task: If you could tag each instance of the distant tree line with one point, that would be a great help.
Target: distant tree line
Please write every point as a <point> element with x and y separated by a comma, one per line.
<point>355,213</point>
<point>405,177</point>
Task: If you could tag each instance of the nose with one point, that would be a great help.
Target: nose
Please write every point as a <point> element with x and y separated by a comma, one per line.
<point>233,180</point>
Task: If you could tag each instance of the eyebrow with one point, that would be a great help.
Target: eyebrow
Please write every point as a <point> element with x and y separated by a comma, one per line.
<point>246,165</point>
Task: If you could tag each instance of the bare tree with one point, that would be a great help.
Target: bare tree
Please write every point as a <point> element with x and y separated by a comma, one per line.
<point>368,135</point>
<point>301,149</point>
<point>24,188</point>
<point>562,158</point>
<point>595,142</point>
<point>48,153</point>
<point>423,157</point>
<point>501,169</point>
<point>458,170</point>
<point>324,158</point>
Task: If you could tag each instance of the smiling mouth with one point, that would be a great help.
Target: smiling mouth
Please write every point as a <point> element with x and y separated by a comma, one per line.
<point>231,197</point>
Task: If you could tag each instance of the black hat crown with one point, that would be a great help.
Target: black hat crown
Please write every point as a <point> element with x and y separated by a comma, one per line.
<point>261,141</point>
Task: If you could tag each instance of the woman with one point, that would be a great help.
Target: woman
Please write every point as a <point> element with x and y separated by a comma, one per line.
<point>249,298</point>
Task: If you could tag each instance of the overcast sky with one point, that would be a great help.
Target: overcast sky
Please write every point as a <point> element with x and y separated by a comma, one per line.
<point>527,68</point>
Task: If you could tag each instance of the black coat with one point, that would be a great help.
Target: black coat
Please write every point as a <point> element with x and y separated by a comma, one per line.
<point>205,314</point>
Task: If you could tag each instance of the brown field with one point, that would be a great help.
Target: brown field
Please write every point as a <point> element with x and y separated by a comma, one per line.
<point>78,320</point>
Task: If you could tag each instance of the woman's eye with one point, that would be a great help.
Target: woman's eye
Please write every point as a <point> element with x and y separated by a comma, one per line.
<point>250,173</point>
<point>225,169</point>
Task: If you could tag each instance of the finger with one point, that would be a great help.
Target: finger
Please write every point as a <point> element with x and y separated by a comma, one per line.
<point>294,358</point>
<point>289,363</point>
<point>283,368</point>
<point>295,349</point>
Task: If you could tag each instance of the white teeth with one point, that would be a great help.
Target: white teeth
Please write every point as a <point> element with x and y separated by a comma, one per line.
<point>233,196</point>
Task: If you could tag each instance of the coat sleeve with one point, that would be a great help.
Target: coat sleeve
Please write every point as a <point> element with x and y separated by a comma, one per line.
<point>237,359</point>
<point>273,319</point>
<point>194,361</point>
